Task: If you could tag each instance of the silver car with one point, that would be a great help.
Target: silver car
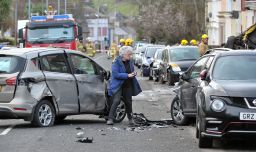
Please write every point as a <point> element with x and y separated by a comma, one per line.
<point>154,68</point>
<point>42,85</point>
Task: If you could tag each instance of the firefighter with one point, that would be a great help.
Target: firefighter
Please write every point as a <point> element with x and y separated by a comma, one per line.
<point>113,50</point>
<point>90,49</point>
<point>203,46</point>
<point>80,46</point>
<point>129,42</point>
<point>193,42</point>
<point>184,42</point>
<point>121,43</point>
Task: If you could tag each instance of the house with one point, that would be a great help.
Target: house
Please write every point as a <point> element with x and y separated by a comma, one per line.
<point>227,18</point>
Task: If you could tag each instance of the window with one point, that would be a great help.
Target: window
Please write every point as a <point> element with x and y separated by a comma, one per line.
<point>11,64</point>
<point>198,67</point>
<point>91,33</point>
<point>240,67</point>
<point>82,65</point>
<point>209,62</point>
<point>104,31</point>
<point>184,54</point>
<point>159,55</point>
<point>55,63</point>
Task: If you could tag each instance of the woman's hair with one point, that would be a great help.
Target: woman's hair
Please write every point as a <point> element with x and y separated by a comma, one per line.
<point>125,49</point>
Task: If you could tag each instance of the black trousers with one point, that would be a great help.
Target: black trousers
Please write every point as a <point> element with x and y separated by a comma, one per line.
<point>126,94</point>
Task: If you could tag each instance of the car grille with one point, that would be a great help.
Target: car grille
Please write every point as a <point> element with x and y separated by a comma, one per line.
<point>251,102</point>
<point>248,126</point>
<point>238,102</point>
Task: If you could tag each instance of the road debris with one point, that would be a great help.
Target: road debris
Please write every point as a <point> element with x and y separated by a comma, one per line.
<point>79,128</point>
<point>80,134</point>
<point>141,123</point>
<point>85,140</point>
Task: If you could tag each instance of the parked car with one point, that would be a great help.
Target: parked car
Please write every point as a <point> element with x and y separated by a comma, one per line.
<point>220,92</point>
<point>226,99</point>
<point>42,85</point>
<point>147,58</point>
<point>139,53</point>
<point>155,65</point>
<point>176,60</point>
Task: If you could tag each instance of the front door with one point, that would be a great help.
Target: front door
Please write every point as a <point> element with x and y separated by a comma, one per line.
<point>90,84</point>
<point>60,81</point>
<point>189,88</point>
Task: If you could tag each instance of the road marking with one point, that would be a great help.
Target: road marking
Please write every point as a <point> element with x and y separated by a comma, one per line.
<point>6,131</point>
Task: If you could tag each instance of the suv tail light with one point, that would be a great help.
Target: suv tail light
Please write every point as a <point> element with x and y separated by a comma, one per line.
<point>11,81</point>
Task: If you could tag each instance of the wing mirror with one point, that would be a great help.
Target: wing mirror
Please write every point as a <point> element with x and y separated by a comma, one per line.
<point>184,77</point>
<point>203,74</point>
<point>106,74</point>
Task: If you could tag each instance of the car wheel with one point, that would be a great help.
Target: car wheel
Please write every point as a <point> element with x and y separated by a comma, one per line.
<point>203,142</point>
<point>177,113</point>
<point>161,79</point>
<point>170,79</point>
<point>120,112</point>
<point>44,114</point>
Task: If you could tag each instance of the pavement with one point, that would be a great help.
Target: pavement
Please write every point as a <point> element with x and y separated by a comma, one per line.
<point>154,102</point>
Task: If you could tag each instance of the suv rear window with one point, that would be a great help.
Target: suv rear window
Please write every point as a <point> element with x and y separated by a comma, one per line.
<point>11,64</point>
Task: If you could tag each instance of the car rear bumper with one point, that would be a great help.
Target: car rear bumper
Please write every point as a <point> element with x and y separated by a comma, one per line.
<point>6,113</point>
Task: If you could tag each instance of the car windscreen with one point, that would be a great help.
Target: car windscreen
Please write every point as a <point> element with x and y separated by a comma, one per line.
<point>183,54</point>
<point>235,68</point>
<point>150,52</point>
<point>159,54</point>
<point>11,64</point>
<point>43,34</point>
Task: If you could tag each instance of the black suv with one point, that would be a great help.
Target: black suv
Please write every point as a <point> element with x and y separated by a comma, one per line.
<point>222,96</point>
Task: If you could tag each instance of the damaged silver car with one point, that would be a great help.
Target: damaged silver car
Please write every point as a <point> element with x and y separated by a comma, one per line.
<point>43,85</point>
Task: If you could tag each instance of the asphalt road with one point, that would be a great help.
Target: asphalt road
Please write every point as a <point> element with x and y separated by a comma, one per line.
<point>154,102</point>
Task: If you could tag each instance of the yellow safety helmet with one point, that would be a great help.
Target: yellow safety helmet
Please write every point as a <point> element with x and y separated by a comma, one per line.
<point>122,40</point>
<point>128,42</point>
<point>204,36</point>
<point>184,42</point>
<point>193,42</point>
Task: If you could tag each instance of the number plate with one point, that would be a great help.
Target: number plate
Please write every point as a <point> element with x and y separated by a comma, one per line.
<point>247,116</point>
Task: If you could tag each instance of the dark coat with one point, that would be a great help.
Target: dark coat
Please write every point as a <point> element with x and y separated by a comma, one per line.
<point>119,75</point>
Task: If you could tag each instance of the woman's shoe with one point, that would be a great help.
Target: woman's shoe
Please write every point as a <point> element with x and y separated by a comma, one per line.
<point>110,122</point>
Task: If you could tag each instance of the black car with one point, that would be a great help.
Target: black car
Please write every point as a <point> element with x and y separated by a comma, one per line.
<point>176,60</point>
<point>220,90</point>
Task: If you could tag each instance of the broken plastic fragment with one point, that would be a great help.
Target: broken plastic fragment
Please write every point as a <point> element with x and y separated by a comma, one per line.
<point>80,134</point>
<point>85,140</point>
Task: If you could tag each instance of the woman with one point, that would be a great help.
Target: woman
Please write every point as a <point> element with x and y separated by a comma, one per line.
<point>123,83</point>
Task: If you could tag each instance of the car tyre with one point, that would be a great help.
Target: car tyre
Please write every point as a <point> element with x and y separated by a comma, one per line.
<point>120,112</point>
<point>203,142</point>
<point>161,79</point>
<point>44,114</point>
<point>171,80</point>
<point>177,113</point>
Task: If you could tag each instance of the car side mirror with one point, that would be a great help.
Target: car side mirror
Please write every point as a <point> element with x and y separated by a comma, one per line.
<point>203,74</point>
<point>184,77</point>
<point>105,74</point>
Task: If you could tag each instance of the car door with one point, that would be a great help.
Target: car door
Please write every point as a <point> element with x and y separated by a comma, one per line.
<point>189,87</point>
<point>90,83</point>
<point>60,81</point>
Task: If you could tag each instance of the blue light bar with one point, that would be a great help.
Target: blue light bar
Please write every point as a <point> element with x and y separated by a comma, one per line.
<point>60,17</point>
<point>38,18</point>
